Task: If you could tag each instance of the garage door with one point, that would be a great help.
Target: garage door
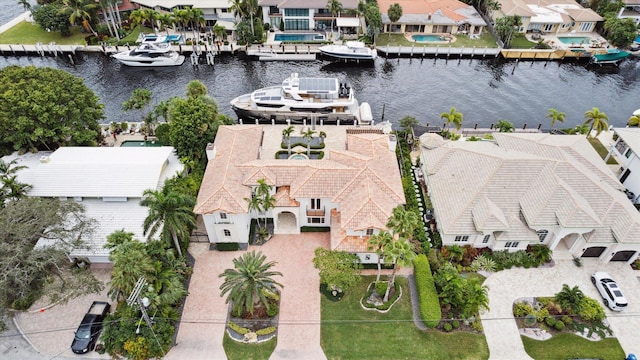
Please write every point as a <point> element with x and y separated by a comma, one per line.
<point>594,251</point>
<point>623,255</point>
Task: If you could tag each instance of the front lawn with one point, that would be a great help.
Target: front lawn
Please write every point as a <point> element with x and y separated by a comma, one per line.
<point>485,40</point>
<point>569,346</point>
<point>520,41</point>
<point>239,351</point>
<point>602,150</point>
<point>31,34</point>
<point>349,332</point>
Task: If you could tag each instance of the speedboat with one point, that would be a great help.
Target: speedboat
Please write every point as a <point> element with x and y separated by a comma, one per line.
<point>321,100</point>
<point>612,56</point>
<point>351,50</point>
<point>150,54</point>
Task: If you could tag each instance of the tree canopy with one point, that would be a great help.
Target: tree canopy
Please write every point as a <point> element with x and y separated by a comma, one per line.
<point>620,32</point>
<point>45,108</point>
<point>338,269</point>
<point>52,17</point>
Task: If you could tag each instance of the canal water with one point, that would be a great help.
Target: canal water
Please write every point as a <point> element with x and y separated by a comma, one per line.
<point>484,90</point>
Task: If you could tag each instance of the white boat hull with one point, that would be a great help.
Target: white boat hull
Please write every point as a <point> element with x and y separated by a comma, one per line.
<point>168,62</point>
<point>354,51</point>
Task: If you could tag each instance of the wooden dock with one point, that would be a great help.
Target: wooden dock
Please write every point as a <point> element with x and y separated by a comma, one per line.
<point>438,51</point>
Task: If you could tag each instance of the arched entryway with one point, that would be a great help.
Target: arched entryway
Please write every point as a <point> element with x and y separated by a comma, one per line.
<point>287,223</point>
<point>623,255</point>
<point>594,251</point>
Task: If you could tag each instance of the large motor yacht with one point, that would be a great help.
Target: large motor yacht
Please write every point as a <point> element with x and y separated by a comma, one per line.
<point>350,51</point>
<point>150,54</point>
<point>299,99</point>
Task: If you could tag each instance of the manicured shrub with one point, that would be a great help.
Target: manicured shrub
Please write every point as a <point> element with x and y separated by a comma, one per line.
<point>237,328</point>
<point>430,312</point>
<point>591,310</point>
<point>266,331</point>
<point>559,325</point>
<point>550,321</point>
<point>434,262</point>
<point>447,327</point>
<point>567,320</point>
<point>272,310</point>
<point>541,314</point>
<point>381,287</point>
<point>315,229</point>
<point>230,246</point>
<point>455,324</point>
<point>522,309</point>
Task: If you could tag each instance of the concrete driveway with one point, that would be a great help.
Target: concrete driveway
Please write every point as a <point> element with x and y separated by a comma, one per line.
<point>202,326</point>
<point>506,286</point>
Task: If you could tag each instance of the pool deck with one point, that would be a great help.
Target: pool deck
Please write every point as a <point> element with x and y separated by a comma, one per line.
<point>595,43</point>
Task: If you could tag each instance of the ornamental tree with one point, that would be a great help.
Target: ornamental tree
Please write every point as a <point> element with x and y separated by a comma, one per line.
<point>45,108</point>
<point>338,269</point>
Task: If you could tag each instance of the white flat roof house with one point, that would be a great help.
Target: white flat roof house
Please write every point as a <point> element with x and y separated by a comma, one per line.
<point>627,151</point>
<point>351,191</point>
<point>526,189</point>
<point>108,181</point>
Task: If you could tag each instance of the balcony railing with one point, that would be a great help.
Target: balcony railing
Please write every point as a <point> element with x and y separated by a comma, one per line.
<point>315,212</point>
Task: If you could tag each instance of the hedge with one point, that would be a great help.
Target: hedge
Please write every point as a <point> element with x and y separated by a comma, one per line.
<point>428,296</point>
<point>315,229</point>
<point>227,246</point>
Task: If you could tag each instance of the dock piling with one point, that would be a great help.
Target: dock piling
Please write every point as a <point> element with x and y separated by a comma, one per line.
<point>71,60</point>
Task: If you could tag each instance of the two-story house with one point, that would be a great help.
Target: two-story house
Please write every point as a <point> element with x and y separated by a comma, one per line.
<point>627,151</point>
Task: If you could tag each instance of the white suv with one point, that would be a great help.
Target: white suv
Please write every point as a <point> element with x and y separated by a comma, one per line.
<point>609,290</point>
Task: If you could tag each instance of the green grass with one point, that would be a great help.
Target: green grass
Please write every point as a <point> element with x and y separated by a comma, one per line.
<point>239,351</point>
<point>485,40</point>
<point>569,346</point>
<point>602,150</point>
<point>29,34</point>
<point>519,41</point>
<point>133,36</point>
<point>349,332</point>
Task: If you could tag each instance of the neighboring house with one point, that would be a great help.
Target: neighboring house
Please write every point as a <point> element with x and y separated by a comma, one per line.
<point>527,189</point>
<point>627,149</point>
<point>351,191</point>
<point>433,17</point>
<point>215,11</point>
<point>549,16</point>
<point>305,15</point>
<point>108,181</point>
<point>631,9</point>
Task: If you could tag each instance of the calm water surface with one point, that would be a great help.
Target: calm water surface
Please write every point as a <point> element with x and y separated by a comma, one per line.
<point>485,91</point>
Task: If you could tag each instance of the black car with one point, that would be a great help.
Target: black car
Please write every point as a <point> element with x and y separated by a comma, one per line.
<point>90,327</point>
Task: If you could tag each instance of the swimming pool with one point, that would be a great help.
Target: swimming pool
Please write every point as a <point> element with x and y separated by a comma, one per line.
<point>577,40</point>
<point>299,37</point>
<point>298,157</point>
<point>427,38</point>
<point>140,143</point>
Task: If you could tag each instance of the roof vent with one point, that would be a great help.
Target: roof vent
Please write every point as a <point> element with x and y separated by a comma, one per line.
<point>210,151</point>
<point>44,159</point>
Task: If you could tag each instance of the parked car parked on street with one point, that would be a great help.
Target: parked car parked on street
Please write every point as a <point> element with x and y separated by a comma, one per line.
<point>90,327</point>
<point>611,294</point>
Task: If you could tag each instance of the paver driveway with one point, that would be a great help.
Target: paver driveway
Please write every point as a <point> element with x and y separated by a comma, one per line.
<point>506,286</point>
<point>202,326</point>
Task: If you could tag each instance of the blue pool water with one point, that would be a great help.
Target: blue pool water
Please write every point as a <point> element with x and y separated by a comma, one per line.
<point>174,37</point>
<point>427,38</point>
<point>638,40</point>
<point>574,40</point>
<point>299,37</point>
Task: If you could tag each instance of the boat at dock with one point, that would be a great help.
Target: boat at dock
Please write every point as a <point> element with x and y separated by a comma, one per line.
<point>150,54</point>
<point>612,56</point>
<point>300,99</point>
<point>350,51</point>
<point>272,55</point>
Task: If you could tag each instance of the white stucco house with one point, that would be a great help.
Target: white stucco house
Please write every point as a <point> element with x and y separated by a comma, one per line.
<point>351,191</point>
<point>627,151</point>
<point>107,181</point>
<point>526,189</point>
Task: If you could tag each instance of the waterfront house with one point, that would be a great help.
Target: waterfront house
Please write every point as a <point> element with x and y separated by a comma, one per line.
<point>351,191</point>
<point>627,151</point>
<point>549,16</point>
<point>107,181</point>
<point>433,17</point>
<point>524,189</point>
<point>308,15</point>
<point>631,9</point>
<point>214,11</point>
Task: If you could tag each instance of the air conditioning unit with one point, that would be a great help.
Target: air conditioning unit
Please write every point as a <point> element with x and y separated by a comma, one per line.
<point>44,159</point>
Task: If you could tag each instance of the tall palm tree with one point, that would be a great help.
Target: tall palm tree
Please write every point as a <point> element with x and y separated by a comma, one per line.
<point>181,17</point>
<point>197,21</point>
<point>570,298</point>
<point>252,7</point>
<point>401,253</point>
<point>597,120</point>
<point>452,117</point>
<point>130,262</point>
<point>25,4</point>
<point>247,282</point>
<point>219,32</point>
<point>556,115</point>
<point>137,17</point>
<point>504,126</point>
<point>80,10</point>
<point>634,121</point>
<point>308,136</point>
<point>403,222</point>
<point>238,8</point>
<point>267,201</point>
<point>286,134</point>
<point>335,7</point>
<point>171,212</point>
<point>378,243</point>
<point>394,13</point>
<point>166,21</point>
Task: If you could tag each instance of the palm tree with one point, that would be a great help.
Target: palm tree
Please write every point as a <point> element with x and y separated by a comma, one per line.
<point>403,222</point>
<point>394,13</point>
<point>80,9</point>
<point>401,253</point>
<point>378,243</point>
<point>634,120</point>
<point>334,7</point>
<point>570,298</point>
<point>197,21</point>
<point>476,297</point>
<point>25,4</point>
<point>137,17</point>
<point>238,8</point>
<point>597,119</point>
<point>504,126</point>
<point>165,20</point>
<point>452,117</point>
<point>286,134</point>
<point>130,262</point>
<point>171,211</point>
<point>267,201</point>
<point>219,31</point>
<point>181,17</point>
<point>11,188</point>
<point>247,282</point>
<point>556,115</point>
<point>308,136</point>
<point>252,7</point>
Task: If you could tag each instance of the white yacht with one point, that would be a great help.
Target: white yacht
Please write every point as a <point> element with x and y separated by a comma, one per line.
<point>320,100</point>
<point>351,50</point>
<point>150,54</point>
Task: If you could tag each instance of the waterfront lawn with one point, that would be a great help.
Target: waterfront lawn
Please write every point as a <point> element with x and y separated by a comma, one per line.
<point>350,332</point>
<point>519,41</point>
<point>133,35</point>
<point>570,346</point>
<point>31,34</point>
<point>485,40</point>
<point>238,351</point>
<point>602,150</point>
